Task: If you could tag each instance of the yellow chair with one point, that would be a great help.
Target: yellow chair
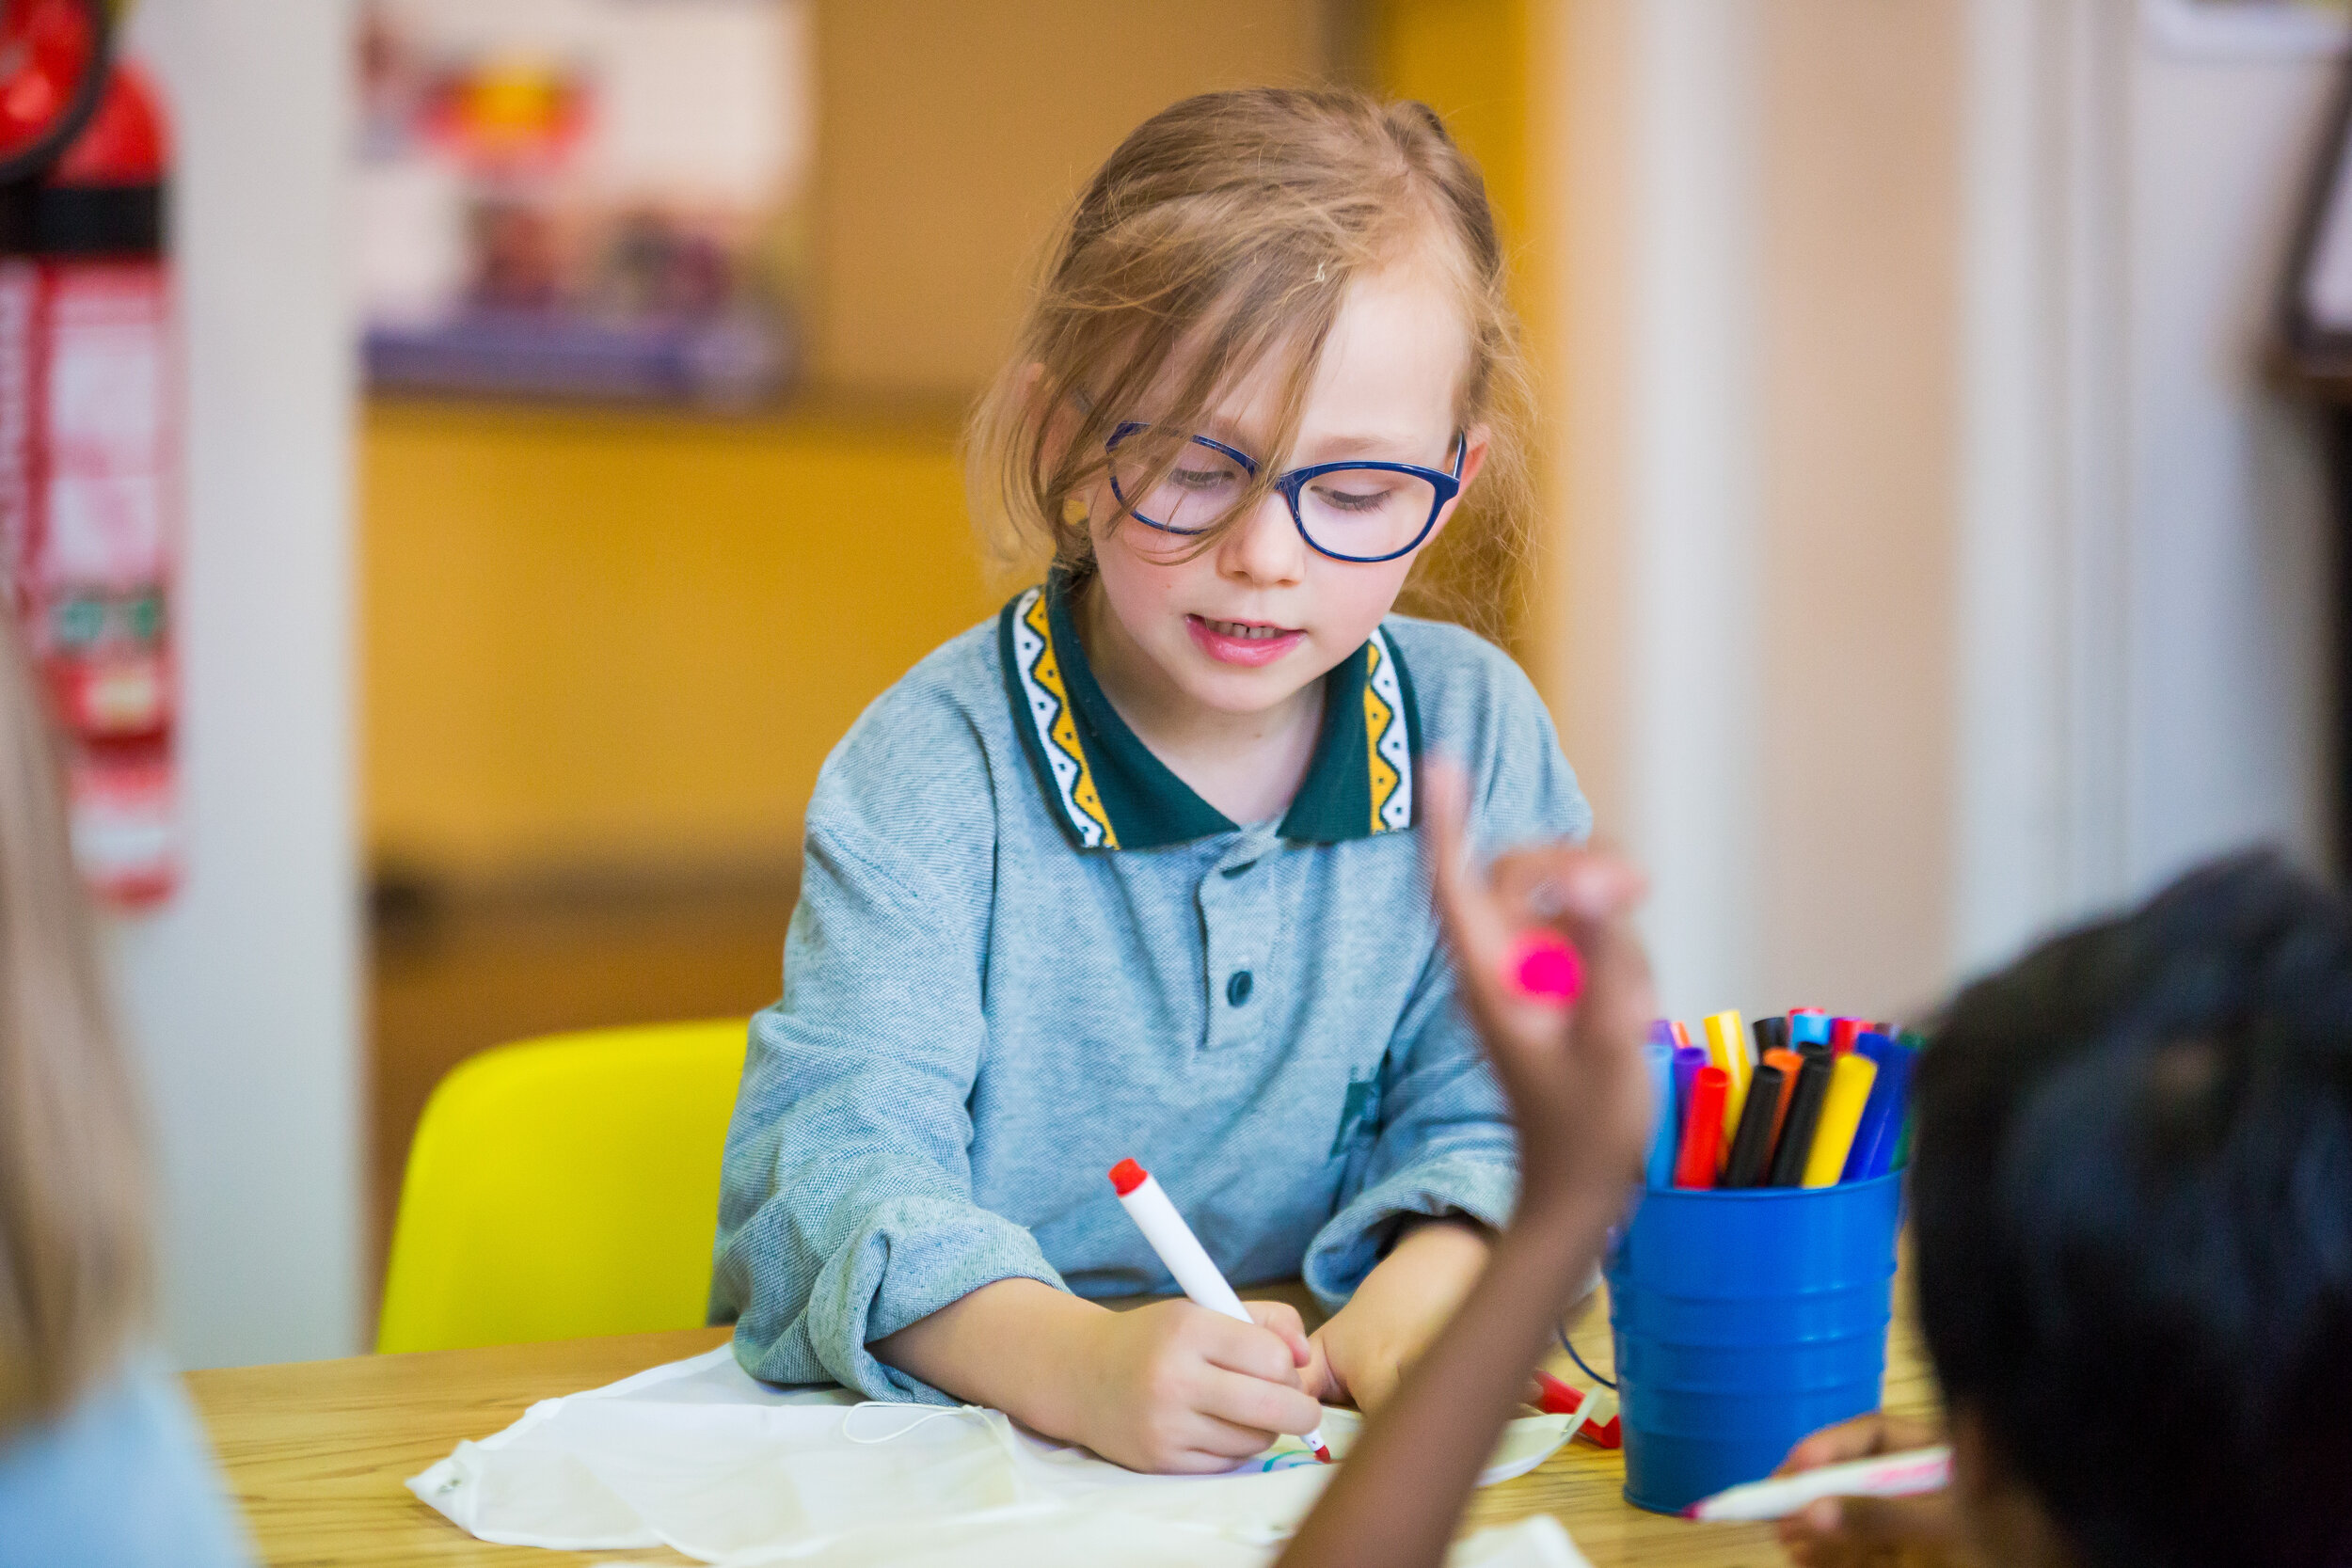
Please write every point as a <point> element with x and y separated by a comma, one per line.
<point>565,1187</point>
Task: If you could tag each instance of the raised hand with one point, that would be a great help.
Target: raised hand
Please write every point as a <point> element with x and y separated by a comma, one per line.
<point>1581,1098</point>
<point>1574,1074</point>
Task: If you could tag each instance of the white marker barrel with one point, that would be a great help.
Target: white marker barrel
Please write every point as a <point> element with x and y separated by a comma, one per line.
<point>1147,1204</point>
<point>1894,1474</point>
<point>1172,1238</point>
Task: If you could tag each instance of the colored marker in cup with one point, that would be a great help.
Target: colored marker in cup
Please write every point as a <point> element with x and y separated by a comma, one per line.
<point>1545,968</point>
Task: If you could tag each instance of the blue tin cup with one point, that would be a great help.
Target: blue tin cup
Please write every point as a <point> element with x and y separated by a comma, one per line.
<point>1745,1320</point>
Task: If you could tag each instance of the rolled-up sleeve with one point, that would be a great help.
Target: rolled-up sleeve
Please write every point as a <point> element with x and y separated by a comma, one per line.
<point>846,1208</point>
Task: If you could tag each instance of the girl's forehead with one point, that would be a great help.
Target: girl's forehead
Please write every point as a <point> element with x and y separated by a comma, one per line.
<point>1390,373</point>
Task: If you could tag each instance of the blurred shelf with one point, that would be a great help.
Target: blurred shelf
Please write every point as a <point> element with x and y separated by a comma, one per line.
<point>926,416</point>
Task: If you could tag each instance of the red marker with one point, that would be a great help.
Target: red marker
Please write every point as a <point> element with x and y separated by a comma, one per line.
<point>1545,968</point>
<point>1843,1032</point>
<point>1561,1399</point>
<point>1703,1131</point>
<point>1187,1258</point>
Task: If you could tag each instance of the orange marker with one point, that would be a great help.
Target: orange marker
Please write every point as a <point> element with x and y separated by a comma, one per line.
<point>1789,1062</point>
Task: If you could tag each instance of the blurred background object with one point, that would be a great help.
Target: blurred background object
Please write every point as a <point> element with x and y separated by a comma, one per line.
<point>593,198</point>
<point>90,482</point>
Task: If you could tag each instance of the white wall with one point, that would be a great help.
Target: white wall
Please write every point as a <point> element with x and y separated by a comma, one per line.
<point>2102,542</point>
<point>243,993</point>
<point>2144,593</point>
<point>2228,583</point>
<point>1693,809</point>
<point>1749,512</point>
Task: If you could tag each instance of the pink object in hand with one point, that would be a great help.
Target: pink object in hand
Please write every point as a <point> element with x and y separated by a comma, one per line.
<point>1546,968</point>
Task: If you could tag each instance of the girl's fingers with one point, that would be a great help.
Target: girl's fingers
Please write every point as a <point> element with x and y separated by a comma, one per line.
<point>1249,1349</point>
<point>1253,1408</point>
<point>1281,1319</point>
<point>1565,886</point>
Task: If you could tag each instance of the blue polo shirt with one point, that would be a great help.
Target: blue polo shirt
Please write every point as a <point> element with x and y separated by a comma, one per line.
<point>1026,950</point>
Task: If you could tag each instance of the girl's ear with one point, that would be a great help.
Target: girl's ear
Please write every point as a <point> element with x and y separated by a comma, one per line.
<point>1474,442</point>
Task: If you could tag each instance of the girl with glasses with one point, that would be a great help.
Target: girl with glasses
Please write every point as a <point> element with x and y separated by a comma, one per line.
<point>1134,868</point>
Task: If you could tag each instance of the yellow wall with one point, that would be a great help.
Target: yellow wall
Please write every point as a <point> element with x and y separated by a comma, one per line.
<point>1467,60</point>
<point>950,137</point>
<point>620,639</point>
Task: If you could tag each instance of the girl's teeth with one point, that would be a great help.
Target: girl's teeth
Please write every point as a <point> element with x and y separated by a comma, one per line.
<point>1248,634</point>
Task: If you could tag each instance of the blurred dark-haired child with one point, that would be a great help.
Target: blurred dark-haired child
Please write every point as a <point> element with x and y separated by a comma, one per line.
<point>2132,1210</point>
<point>2131,1194</point>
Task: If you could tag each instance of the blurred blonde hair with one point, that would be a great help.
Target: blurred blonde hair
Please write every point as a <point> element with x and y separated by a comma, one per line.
<point>1220,238</point>
<point>73,1262</point>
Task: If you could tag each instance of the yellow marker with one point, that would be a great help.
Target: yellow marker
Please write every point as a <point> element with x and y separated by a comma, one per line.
<point>1850,1084</point>
<point>1728,1048</point>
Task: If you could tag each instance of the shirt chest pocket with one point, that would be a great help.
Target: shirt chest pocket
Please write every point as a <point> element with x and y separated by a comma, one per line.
<point>1359,1116</point>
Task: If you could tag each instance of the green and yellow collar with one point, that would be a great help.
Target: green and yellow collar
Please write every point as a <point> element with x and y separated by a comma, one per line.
<point>1111,793</point>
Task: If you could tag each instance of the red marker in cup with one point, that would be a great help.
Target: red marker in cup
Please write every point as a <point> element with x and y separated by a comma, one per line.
<point>1545,968</point>
<point>1187,1258</point>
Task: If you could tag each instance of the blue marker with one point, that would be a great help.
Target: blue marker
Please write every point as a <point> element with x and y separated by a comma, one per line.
<point>1658,1054</point>
<point>1882,1126</point>
<point>1807,1027</point>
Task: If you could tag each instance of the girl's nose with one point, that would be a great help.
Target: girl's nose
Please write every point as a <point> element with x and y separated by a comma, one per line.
<point>1264,546</point>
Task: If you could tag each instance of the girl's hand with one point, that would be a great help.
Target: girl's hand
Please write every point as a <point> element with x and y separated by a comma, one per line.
<point>1398,1309</point>
<point>1578,1087</point>
<point>1178,1390</point>
<point>1869,1532</point>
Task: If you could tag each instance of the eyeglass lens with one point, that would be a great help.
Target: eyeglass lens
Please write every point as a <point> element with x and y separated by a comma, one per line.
<point>1347,512</point>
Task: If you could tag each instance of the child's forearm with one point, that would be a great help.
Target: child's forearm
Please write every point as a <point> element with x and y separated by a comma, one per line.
<point>1395,1500</point>
<point>1452,1248</point>
<point>1400,1307</point>
<point>1009,1345</point>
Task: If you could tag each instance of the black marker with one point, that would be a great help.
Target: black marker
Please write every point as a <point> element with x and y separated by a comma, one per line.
<point>1752,1146</point>
<point>1805,1115</point>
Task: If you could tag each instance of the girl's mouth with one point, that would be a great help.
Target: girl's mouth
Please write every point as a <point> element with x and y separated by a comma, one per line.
<point>1246,642</point>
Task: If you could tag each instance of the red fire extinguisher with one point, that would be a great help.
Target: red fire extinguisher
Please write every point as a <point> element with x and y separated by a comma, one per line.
<point>88,445</point>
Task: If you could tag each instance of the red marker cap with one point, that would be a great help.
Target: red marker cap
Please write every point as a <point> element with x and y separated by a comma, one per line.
<point>1127,1176</point>
<point>1843,1032</point>
<point>1561,1399</point>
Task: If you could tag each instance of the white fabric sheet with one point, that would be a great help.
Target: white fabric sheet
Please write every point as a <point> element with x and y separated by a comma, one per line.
<point>698,1456</point>
<point>1057,1535</point>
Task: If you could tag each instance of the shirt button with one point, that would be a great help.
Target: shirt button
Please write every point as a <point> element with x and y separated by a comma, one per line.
<point>1237,988</point>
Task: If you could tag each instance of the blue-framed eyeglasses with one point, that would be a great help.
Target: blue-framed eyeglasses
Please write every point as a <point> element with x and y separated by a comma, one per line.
<point>1358,511</point>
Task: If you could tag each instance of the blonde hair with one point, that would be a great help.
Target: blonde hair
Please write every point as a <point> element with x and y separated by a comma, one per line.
<point>1227,228</point>
<point>73,1260</point>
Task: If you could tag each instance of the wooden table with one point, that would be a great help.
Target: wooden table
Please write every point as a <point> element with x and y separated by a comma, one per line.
<point>316,1452</point>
